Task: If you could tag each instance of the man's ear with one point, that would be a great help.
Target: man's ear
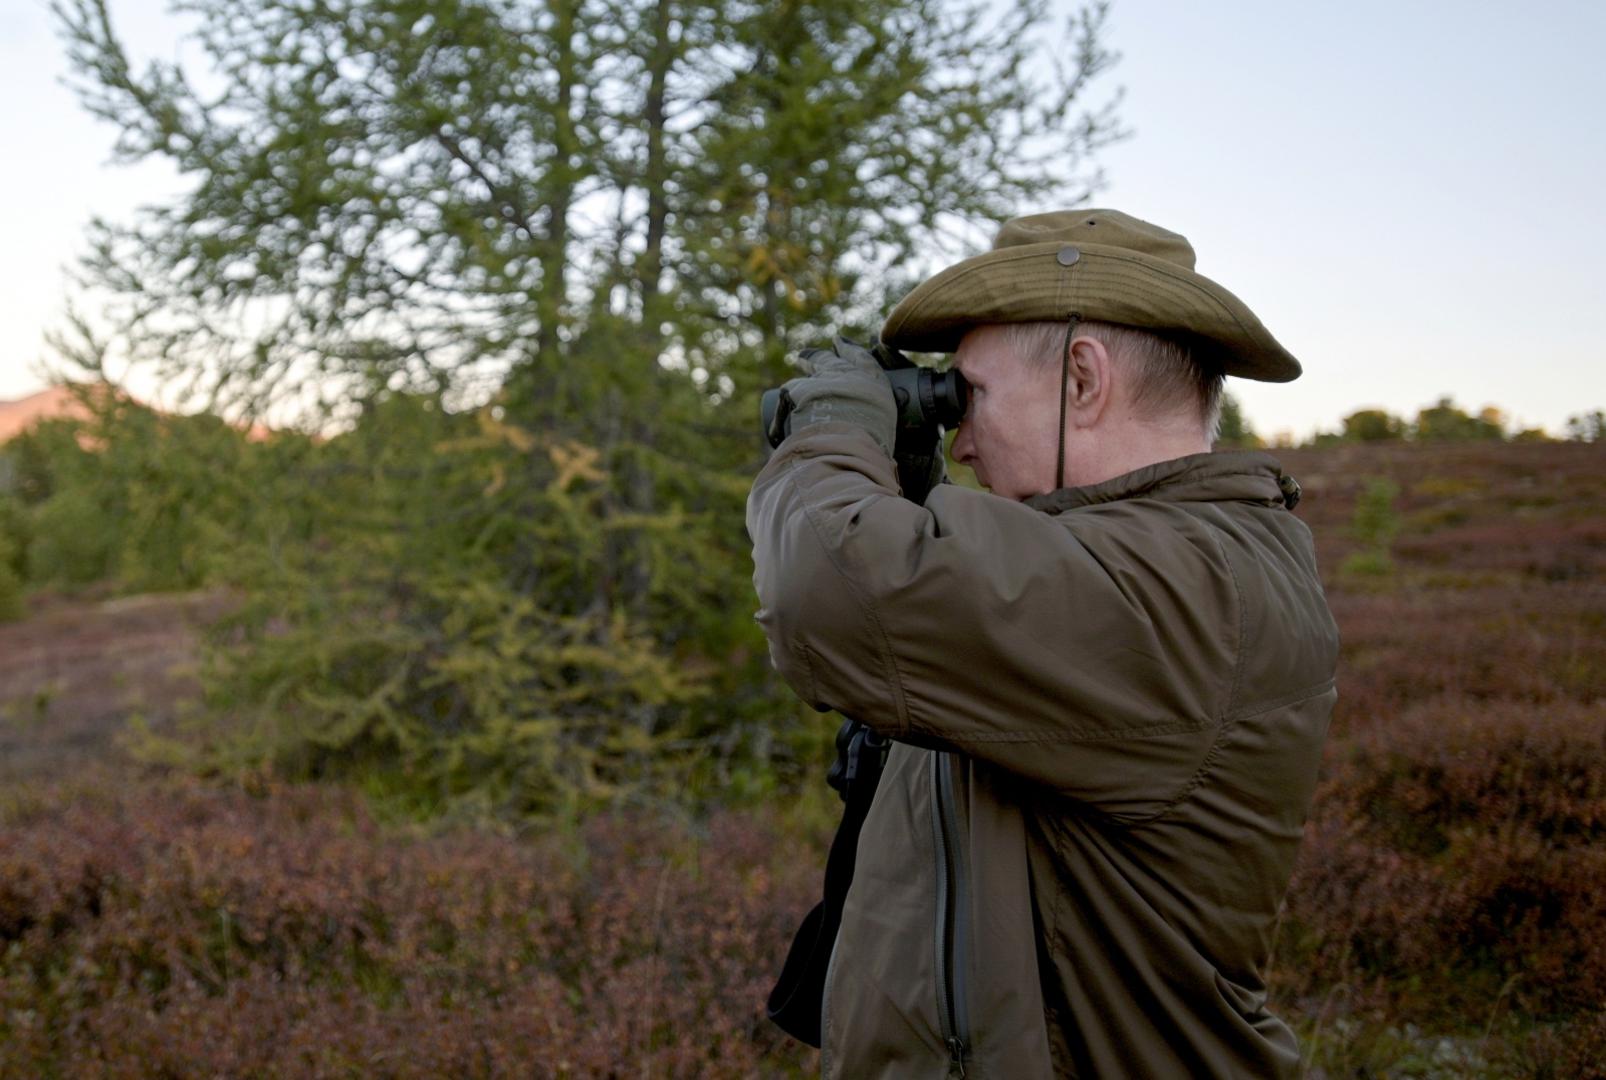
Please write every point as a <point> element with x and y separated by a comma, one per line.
<point>1088,383</point>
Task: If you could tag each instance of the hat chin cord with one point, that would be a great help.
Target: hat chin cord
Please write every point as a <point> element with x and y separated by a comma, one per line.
<point>1065,382</point>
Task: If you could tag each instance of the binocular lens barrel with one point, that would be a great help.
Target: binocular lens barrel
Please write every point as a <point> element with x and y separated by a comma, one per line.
<point>925,398</point>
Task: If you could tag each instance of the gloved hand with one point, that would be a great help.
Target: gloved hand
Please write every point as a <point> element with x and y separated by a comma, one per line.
<point>846,385</point>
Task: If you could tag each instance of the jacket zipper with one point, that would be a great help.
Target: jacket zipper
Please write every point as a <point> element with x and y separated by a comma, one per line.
<point>953,918</point>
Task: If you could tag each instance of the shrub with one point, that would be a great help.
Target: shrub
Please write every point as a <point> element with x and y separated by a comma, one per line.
<point>497,618</point>
<point>1372,425</point>
<point>186,931</point>
<point>15,532</point>
<point>11,600</point>
<point>1527,645</point>
<point>75,540</point>
<point>1587,427</point>
<point>1374,526</point>
<point>1459,849</point>
<point>1445,421</point>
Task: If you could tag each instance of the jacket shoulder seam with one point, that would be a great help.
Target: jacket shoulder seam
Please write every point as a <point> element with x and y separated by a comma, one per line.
<point>1209,763</point>
<point>1228,716</point>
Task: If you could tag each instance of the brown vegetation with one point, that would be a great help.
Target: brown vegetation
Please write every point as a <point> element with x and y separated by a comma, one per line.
<point>1447,916</point>
<point>79,667</point>
<point>1453,878</point>
<point>179,930</point>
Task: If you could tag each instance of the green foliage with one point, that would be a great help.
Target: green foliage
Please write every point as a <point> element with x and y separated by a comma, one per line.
<point>394,186</point>
<point>1375,524</point>
<point>1444,421</point>
<point>145,500</point>
<point>60,531</point>
<point>1372,425</point>
<point>477,619</point>
<point>1587,426</point>
<point>29,457</point>
<point>1234,430</point>
<point>1367,563</point>
<point>12,606</point>
<point>75,539</point>
<point>185,485</point>
<point>15,531</point>
<point>517,579</point>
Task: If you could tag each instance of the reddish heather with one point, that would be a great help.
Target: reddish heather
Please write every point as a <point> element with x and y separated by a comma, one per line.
<point>175,930</point>
<point>1447,915</point>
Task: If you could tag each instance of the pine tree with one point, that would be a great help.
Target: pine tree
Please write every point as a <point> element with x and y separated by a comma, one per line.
<point>1234,431</point>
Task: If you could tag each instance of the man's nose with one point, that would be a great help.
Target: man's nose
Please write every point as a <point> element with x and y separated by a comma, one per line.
<point>962,449</point>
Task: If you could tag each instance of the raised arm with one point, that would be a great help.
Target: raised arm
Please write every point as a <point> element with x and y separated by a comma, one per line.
<point>1092,652</point>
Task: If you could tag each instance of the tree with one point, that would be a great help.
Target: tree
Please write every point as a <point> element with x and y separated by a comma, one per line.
<point>1372,425</point>
<point>1587,427</point>
<point>1445,421</point>
<point>539,259</point>
<point>1234,430</point>
<point>142,499</point>
<point>421,193</point>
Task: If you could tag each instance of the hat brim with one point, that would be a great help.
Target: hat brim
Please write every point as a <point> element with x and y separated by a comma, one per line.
<point>1030,283</point>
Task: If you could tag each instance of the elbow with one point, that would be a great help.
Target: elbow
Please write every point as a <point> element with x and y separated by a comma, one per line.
<point>814,624</point>
<point>789,617</point>
<point>792,658</point>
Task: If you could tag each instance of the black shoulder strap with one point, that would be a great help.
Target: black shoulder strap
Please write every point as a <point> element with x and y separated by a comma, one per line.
<point>794,1004</point>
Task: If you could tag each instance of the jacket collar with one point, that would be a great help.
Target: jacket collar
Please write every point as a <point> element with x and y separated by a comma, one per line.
<point>1223,476</point>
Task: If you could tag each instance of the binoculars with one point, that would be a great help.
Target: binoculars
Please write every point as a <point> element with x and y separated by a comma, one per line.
<point>926,399</point>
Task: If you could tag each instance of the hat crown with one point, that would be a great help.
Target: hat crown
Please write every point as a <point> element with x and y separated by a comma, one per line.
<point>1105,228</point>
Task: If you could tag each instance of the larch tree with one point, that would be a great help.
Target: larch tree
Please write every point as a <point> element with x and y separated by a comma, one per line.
<point>539,259</point>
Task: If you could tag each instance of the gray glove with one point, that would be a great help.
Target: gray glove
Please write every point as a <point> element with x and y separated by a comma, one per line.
<point>847,386</point>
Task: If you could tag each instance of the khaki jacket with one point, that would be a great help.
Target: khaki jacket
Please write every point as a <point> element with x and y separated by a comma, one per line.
<point>1108,705</point>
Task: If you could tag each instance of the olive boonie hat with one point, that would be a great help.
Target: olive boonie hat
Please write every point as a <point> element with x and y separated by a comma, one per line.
<point>1098,264</point>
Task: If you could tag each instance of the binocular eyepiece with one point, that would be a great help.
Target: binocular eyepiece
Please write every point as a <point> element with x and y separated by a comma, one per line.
<point>926,399</point>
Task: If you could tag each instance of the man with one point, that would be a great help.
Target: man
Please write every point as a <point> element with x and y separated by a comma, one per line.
<point>1107,689</point>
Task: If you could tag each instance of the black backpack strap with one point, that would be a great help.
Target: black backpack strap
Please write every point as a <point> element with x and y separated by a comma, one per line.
<point>795,1003</point>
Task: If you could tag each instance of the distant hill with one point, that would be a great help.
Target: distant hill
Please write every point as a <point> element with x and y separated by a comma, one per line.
<point>56,403</point>
<point>64,403</point>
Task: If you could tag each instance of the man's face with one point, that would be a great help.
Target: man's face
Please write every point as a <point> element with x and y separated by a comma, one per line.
<point>1008,435</point>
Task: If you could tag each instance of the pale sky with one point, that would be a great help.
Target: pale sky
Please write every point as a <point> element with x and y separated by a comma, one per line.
<point>1408,194</point>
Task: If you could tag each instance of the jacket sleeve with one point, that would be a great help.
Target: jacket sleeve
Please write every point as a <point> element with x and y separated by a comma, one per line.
<point>1093,652</point>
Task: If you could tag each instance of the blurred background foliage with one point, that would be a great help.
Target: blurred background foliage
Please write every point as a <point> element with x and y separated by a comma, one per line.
<point>507,279</point>
<point>467,305</point>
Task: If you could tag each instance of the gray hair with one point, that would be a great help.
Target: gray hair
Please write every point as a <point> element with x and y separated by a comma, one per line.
<point>1163,372</point>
